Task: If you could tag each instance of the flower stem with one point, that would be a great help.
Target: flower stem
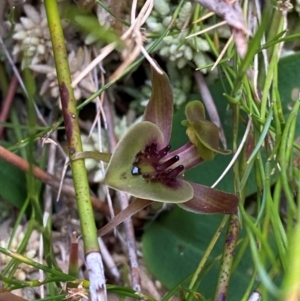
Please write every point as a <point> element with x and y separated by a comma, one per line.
<point>206,255</point>
<point>72,128</point>
<point>227,258</point>
<point>88,228</point>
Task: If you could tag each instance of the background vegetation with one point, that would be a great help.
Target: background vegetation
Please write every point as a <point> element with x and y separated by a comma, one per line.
<point>250,65</point>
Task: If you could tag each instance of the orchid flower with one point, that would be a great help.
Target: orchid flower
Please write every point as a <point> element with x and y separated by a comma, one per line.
<point>143,166</point>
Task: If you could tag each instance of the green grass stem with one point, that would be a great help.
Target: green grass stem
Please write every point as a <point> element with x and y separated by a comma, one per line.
<point>88,228</point>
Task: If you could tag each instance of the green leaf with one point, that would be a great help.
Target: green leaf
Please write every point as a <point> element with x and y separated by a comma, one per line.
<point>105,157</point>
<point>174,244</point>
<point>119,176</point>
<point>289,83</point>
<point>13,184</point>
<point>159,109</point>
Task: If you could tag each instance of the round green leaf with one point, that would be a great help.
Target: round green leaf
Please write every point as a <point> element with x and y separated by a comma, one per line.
<point>174,244</point>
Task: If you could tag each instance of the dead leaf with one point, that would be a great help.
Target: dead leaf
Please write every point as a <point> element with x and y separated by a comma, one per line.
<point>230,12</point>
<point>241,42</point>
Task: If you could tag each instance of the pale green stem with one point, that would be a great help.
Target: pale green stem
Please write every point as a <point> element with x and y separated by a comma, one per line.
<point>88,227</point>
<point>206,255</point>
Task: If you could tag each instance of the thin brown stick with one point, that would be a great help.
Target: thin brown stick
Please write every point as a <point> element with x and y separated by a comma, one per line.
<point>47,208</point>
<point>109,113</point>
<point>111,266</point>
<point>8,102</point>
<point>130,238</point>
<point>47,178</point>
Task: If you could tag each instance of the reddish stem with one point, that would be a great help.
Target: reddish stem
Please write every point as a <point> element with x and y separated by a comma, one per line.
<point>8,102</point>
<point>46,177</point>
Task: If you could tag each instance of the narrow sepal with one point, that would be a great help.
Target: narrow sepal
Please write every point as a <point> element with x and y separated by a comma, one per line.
<point>209,200</point>
<point>159,109</point>
<point>136,206</point>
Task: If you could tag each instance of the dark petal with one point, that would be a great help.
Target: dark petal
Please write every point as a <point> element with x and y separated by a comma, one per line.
<point>188,155</point>
<point>159,109</point>
<point>209,200</point>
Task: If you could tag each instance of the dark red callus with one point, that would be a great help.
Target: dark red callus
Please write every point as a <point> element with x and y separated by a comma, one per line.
<point>150,156</point>
<point>167,164</point>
